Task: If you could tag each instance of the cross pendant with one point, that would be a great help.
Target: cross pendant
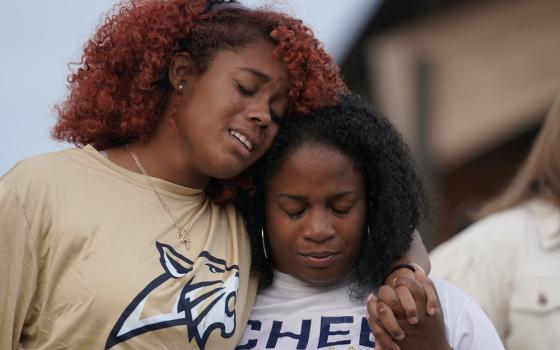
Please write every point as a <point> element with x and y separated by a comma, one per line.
<point>183,237</point>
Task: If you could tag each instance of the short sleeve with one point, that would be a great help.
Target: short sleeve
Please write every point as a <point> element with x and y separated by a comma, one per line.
<point>478,262</point>
<point>475,331</point>
<point>18,267</point>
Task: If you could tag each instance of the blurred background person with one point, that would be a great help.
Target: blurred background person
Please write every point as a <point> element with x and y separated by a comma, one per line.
<point>508,261</point>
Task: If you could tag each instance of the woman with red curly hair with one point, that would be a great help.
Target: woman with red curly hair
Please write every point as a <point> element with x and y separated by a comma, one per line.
<point>116,243</point>
<point>126,240</point>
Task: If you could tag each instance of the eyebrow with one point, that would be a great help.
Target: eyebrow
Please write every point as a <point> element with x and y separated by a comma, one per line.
<point>260,75</point>
<point>290,196</point>
<point>343,194</point>
<point>302,198</point>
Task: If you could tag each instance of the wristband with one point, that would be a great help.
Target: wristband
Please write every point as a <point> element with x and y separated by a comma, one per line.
<point>398,267</point>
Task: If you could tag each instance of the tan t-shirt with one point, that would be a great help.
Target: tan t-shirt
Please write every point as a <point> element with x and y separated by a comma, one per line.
<point>89,260</point>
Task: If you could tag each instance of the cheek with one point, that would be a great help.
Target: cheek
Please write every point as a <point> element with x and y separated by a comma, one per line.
<point>357,242</point>
<point>280,234</point>
<point>269,136</point>
<point>276,233</point>
<point>354,232</point>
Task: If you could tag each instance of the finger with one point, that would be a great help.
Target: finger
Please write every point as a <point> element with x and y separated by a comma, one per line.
<point>371,308</point>
<point>432,300</point>
<point>390,297</point>
<point>402,272</point>
<point>382,339</point>
<point>420,274</point>
<point>412,298</point>
<point>413,286</point>
<point>389,321</point>
<point>378,345</point>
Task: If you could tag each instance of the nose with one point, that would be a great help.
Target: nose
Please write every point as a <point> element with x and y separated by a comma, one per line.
<point>259,114</point>
<point>261,119</point>
<point>319,228</point>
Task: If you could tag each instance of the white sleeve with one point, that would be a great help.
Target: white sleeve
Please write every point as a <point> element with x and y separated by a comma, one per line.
<point>466,326</point>
<point>475,331</point>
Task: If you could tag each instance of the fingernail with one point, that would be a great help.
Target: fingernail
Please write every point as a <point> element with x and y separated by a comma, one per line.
<point>413,320</point>
<point>400,336</point>
<point>432,311</point>
<point>394,281</point>
<point>419,267</point>
<point>370,296</point>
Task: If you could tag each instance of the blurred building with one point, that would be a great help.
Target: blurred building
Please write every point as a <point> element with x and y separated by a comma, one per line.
<point>468,84</point>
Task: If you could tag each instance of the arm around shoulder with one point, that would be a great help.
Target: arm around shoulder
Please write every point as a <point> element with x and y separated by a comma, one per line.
<point>416,254</point>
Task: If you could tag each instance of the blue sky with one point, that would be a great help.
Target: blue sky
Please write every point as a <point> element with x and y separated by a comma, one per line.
<point>39,38</point>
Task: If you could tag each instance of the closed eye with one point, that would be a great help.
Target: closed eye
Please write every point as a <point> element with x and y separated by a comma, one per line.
<point>245,91</point>
<point>341,210</point>
<point>294,215</point>
<point>292,205</point>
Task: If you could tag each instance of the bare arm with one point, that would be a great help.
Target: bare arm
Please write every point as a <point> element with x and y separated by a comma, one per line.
<point>416,254</point>
<point>387,330</point>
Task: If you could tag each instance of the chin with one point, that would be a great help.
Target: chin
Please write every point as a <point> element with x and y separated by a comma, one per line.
<point>227,173</point>
<point>230,170</point>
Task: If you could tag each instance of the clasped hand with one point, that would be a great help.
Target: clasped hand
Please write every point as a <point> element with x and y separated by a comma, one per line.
<point>407,314</point>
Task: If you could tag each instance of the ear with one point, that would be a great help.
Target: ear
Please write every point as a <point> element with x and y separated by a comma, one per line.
<point>181,70</point>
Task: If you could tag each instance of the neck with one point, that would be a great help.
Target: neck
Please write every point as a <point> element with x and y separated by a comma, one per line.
<point>167,161</point>
<point>161,159</point>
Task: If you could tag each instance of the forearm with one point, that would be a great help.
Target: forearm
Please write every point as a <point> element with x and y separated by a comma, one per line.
<point>416,254</point>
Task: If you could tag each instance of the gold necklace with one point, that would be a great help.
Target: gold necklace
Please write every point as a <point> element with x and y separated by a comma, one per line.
<point>182,231</point>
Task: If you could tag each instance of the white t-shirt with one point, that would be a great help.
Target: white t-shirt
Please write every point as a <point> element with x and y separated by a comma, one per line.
<point>294,315</point>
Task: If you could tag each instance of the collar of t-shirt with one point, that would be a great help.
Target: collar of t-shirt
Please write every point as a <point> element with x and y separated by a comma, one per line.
<point>283,285</point>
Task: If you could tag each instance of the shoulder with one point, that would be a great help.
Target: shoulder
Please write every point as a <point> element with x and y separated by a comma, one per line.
<point>470,258</point>
<point>503,230</point>
<point>35,180</point>
<point>507,223</point>
<point>467,326</point>
<point>44,166</point>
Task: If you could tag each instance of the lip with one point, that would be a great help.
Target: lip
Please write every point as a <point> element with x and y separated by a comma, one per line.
<point>249,136</point>
<point>319,259</point>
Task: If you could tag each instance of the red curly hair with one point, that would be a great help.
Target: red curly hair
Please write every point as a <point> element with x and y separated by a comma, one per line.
<point>120,89</point>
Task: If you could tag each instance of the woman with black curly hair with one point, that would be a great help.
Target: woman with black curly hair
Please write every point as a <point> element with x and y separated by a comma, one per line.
<point>337,201</point>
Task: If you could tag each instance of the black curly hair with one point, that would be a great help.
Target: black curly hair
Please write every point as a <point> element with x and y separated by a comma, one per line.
<point>395,197</point>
